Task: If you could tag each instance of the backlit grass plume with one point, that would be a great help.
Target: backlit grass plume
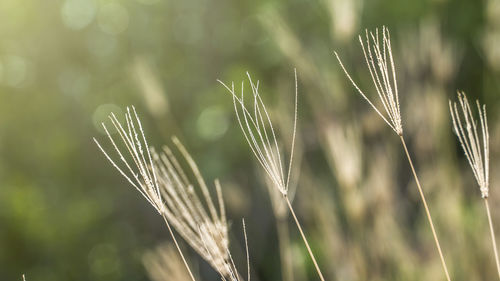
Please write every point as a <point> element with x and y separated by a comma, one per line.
<point>380,62</point>
<point>137,166</point>
<point>259,133</point>
<point>383,73</point>
<point>476,147</point>
<point>204,228</point>
<point>161,180</point>
<point>258,130</point>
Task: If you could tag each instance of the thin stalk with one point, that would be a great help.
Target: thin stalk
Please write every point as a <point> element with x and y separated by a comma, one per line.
<point>304,238</point>
<point>178,248</point>
<point>285,254</point>
<point>428,213</point>
<point>492,232</point>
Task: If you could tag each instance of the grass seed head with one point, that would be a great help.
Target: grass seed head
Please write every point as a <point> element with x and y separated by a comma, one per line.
<point>380,62</point>
<point>166,185</point>
<point>476,145</point>
<point>135,162</point>
<point>258,130</point>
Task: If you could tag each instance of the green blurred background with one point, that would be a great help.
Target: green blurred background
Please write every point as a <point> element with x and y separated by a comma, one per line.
<point>66,214</point>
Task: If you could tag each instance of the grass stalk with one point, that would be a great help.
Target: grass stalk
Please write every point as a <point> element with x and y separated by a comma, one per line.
<point>304,238</point>
<point>178,248</point>
<point>426,207</point>
<point>492,232</point>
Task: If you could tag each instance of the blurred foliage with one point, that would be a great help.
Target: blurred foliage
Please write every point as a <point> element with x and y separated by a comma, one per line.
<point>65,214</point>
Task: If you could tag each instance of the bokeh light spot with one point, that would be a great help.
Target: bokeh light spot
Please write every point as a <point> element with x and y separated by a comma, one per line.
<point>212,123</point>
<point>101,44</point>
<point>74,82</point>
<point>113,18</point>
<point>77,14</point>
<point>148,2</point>
<point>14,70</point>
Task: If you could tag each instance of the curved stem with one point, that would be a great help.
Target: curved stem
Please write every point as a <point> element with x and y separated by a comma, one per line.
<point>178,248</point>
<point>492,232</point>
<point>304,238</point>
<point>427,212</point>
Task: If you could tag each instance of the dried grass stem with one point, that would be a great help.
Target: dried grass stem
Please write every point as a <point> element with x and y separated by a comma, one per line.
<point>304,238</point>
<point>493,237</point>
<point>427,212</point>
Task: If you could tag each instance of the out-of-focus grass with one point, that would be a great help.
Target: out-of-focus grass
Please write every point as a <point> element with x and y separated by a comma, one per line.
<point>64,214</point>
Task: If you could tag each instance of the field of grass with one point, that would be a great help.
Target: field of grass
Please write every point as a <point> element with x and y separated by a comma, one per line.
<point>249,140</point>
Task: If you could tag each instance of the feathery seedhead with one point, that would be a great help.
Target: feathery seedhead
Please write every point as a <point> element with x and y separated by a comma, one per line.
<point>136,163</point>
<point>196,219</point>
<point>476,149</point>
<point>260,135</point>
<point>378,57</point>
<point>160,178</point>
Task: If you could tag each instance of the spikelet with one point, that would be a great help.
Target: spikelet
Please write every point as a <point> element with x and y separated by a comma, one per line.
<point>476,149</point>
<point>378,57</point>
<point>259,133</point>
<point>226,268</point>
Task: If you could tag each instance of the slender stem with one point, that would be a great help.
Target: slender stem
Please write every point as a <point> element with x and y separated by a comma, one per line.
<point>284,244</point>
<point>492,232</point>
<point>178,248</point>
<point>304,238</point>
<point>428,213</point>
